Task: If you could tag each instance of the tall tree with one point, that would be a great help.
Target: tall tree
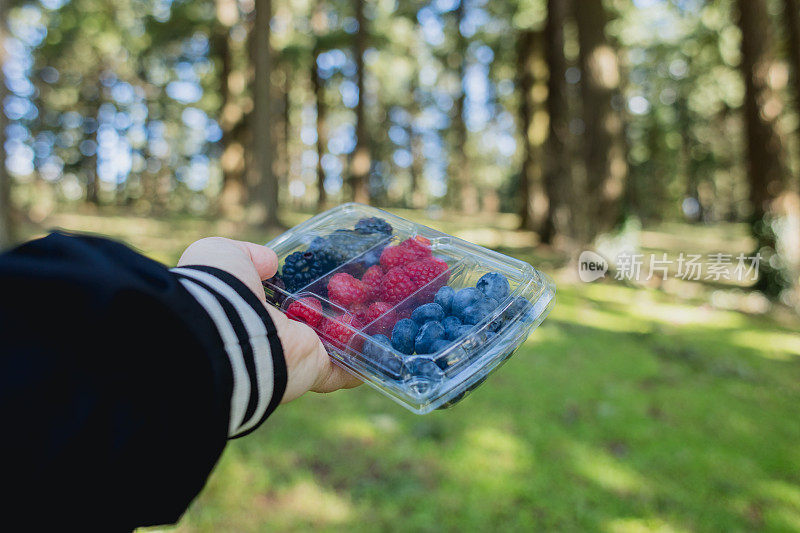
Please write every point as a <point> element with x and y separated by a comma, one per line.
<point>231,115</point>
<point>322,130</point>
<point>5,180</point>
<point>766,164</point>
<point>319,25</point>
<point>525,50</point>
<point>604,148</point>
<point>557,170</point>
<point>463,190</point>
<point>261,175</point>
<point>361,160</point>
<point>791,17</point>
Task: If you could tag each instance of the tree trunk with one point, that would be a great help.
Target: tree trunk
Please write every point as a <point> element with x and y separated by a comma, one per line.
<point>525,45</point>
<point>557,170</point>
<point>416,197</point>
<point>322,136</point>
<point>232,119</point>
<point>691,191</point>
<point>462,190</point>
<point>791,17</point>
<point>319,25</point>
<point>92,180</point>
<point>6,234</point>
<point>361,160</point>
<point>604,149</point>
<point>261,175</point>
<point>766,164</point>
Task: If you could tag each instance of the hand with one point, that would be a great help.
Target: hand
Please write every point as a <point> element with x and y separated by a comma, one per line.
<point>307,363</point>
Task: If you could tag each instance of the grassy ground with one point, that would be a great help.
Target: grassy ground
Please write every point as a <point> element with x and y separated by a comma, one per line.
<point>629,409</point>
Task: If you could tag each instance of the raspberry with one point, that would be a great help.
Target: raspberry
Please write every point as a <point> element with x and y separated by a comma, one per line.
<point>395,256</point>
<point>308,310</point>
<point>345,290</point>
<point>378,309</point>
<point>372,278</point>
<point>424,271</point>
<point>397,286</point>
<point>360,313</point>
<point>335,330</point>
<point>419,247</point>
<point>381,318</point>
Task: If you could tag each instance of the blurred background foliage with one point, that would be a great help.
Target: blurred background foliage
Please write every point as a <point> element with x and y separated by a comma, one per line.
<point>536,127</point>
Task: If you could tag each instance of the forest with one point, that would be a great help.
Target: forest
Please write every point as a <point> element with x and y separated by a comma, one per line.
<point>577,116</point>
<point>539,128</point>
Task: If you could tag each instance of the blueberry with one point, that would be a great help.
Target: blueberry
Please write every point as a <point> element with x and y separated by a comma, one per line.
<point>494,285</point>
<point>425,368</point>
<point>517,307</point>
<point>461,332</point>
<point>428,333</point>
<point>391,364</point>
<point>374,345</point>
<point>403,335</point>
<point>450,324</point>
<point>444,297</point>
<point>377,349</point>
<point>427,312</point>
<point>496,324</point>
<point>463,298</point>
<point>440,344</point>
<point>479,310</point>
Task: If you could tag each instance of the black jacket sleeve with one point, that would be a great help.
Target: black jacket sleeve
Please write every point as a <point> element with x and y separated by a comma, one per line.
<point>121,381</point>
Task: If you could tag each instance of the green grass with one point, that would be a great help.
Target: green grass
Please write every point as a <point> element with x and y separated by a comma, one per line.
<point>629,409</point>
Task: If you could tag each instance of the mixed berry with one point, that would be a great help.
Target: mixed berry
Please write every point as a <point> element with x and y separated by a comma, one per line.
<point>397,296</point>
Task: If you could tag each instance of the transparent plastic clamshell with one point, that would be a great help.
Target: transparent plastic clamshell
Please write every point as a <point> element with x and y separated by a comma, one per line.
<point>421,383</point>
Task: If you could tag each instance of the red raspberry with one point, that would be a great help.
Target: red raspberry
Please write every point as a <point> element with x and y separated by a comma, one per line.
<point>409,250</point>
<point>397,286</point>
<point>360,313</point>
<point>394,256</point>
<point>381,318</point>
<point>345,290</point>
<point>335,330</point>
<point>378,309</point>
<point>308,310</point>
<point>424,271</point>
<point>419,247</point>
<point>372,278</point>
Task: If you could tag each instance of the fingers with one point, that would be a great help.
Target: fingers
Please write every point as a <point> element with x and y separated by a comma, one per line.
<point>263,258</point>
<point>336,378</point>
<point>308,365</point>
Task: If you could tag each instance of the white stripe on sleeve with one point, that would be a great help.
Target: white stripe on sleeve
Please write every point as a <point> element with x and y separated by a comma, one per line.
<point>241,379</point>
<point>257,332</point>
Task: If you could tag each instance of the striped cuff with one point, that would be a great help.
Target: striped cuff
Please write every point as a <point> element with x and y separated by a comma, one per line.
<point>251,344</point>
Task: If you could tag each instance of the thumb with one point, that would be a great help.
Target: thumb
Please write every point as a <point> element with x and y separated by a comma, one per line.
<point>263,258</point>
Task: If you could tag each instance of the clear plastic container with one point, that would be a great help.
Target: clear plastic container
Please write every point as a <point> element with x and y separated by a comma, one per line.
<point>321,281</point>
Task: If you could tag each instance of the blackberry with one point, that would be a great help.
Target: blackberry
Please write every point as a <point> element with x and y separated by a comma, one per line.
<point>373,225</point>
<point>346,244</point>
<point>301,268</point>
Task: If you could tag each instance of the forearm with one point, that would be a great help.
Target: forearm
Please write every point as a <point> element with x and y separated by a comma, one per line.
<point>121,377</point>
